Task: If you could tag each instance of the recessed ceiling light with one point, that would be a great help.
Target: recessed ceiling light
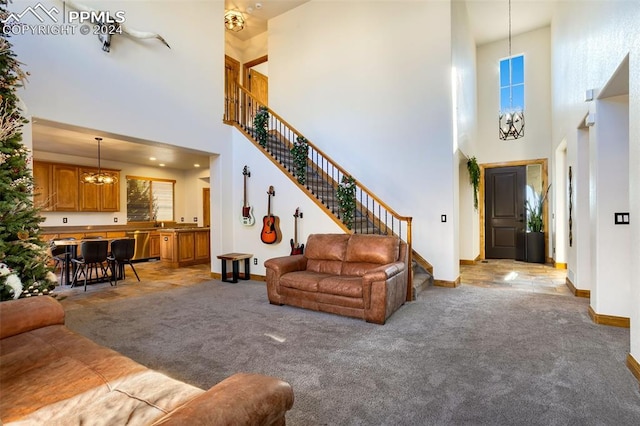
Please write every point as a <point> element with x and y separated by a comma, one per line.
<point>161,164</point>
<point>152,158</point>
<point>196,165</point>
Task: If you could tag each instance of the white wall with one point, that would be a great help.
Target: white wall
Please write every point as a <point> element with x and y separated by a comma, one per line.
<point>609,183</point>
<point>579,252</point>
<point>288,197</point>
<point>246,50</point>
<point>465,114</point>
<point>536,143</point>
<point>376,97</point>
<point>590,40</point>
<point>141,88</point>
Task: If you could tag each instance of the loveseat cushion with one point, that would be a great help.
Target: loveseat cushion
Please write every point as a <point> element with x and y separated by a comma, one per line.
<point>303,280</point>
<point>341,286</point>
<point>365,252</point>
<point>325,252</point>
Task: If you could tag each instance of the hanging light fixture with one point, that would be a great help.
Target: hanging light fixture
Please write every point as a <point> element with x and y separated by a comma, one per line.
<point>100,178</point>
<point>510,123</point>
<point>233,21</point>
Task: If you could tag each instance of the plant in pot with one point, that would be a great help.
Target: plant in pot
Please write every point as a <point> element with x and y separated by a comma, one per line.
<point>535,227</point>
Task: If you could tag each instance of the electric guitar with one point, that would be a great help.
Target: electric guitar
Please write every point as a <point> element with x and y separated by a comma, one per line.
<point>247,218</point>
<point>295,247</point>
<point>270,224</point>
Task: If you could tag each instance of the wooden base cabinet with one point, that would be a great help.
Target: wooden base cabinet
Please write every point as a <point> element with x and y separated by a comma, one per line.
<point>184,247</point>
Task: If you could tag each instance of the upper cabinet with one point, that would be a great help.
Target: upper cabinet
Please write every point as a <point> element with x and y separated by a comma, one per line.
<point>43,184</point>
<point>99,198</point>
<point>58,188</point>
<point>65,188</point>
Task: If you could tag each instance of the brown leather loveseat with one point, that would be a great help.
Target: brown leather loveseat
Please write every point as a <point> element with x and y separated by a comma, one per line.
<point>361,276</point>
<point>51,375</point>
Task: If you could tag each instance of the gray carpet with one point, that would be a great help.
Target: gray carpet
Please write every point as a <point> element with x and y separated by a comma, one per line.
<point>464,356</point>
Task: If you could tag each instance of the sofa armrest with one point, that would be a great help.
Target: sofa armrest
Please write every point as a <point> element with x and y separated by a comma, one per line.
<point>285,264</point>
<point>242,399</point>
<point>22,315</point>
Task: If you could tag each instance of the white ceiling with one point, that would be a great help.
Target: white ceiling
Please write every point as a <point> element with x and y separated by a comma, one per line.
<point>489,21</point>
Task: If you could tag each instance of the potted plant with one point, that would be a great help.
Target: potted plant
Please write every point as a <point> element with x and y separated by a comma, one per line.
<point>535,227</point>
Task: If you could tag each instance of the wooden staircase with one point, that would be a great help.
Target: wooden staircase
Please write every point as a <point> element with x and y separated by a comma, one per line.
<point>322,177</point>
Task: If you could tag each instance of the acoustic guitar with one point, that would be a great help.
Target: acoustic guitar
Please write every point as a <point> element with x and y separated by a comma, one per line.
<point>247,218</point>
<point>295,247</point>
<point>270,224</point>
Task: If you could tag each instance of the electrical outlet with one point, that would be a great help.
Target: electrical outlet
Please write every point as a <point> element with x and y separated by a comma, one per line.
<point>255,260</point>
<point>182,219</point>
<point>64,220</point>
<point>115,220</point>
<point>195,218</point>
<point>443,218</point>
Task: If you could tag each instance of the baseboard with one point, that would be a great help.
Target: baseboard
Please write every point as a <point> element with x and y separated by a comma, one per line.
<point>559,265</point>
<point>218,276</point>
<point>449,284</point>
<point>467,262</point>
<point>634,366</point>
<point>609,319</point>
<point>577,292</point>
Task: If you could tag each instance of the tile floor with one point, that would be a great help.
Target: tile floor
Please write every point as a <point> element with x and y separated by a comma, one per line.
<point>154,276</point>
<point>514,275</point>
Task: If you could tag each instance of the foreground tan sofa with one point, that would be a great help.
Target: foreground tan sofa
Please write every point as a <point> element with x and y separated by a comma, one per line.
<point>51,375</point>
<point>361,276</point>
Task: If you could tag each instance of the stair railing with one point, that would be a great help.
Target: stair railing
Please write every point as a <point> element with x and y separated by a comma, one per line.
<point>323,175</point>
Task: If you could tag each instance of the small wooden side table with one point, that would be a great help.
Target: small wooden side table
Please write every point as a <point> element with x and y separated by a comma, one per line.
<point>235,258</point>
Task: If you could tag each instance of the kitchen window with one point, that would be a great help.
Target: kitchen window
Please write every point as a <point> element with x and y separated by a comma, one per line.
<point>149,199</point>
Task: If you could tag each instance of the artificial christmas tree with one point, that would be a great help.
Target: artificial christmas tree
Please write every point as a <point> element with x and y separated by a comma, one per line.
<point>24,269</point>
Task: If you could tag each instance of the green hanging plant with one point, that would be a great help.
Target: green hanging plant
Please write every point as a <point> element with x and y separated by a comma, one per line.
<point>474,178</point>
<point>346,195</point>
<point>300,153</point>
<point>260,122</point>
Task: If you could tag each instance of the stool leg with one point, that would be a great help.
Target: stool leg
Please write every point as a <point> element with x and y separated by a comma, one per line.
<point>236,271</point>
<point>224,270</point>
<point>247,273</point>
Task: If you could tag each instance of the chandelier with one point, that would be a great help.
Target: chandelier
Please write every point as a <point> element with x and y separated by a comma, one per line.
<point>100,178</point>
<point>233,21</point>
<point>510,124</point>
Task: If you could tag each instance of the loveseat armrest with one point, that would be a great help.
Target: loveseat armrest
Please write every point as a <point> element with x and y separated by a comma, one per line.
<point>384,291</point>
<point>286,264</point>
<point>242,399</point>
<point>22,315</point>
<point>383,272</point>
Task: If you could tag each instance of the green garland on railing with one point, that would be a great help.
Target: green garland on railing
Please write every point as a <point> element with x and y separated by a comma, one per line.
<point>300,153</point>
<point>346,195</point>
<point>260,122</point>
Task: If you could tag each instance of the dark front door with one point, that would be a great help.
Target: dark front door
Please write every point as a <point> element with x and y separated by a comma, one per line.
<point>504,212</point>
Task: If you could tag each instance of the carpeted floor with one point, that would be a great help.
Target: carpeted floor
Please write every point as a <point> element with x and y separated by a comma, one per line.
<point>464,356</point>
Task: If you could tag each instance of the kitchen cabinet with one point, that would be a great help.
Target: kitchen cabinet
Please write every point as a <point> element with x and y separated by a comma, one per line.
<point>43,182</point>
<point>184,247</point>
<point>65,188</point>
<point>99,198</point>
<point>154,244</point>
<point>58,188</point>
